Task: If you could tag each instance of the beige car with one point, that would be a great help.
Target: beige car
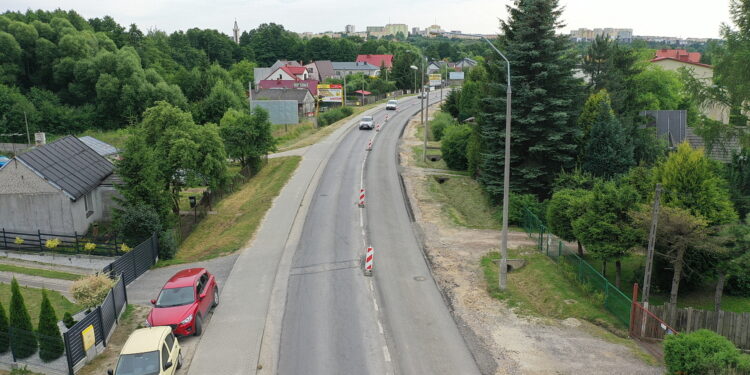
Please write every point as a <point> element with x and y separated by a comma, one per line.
<point>149,351</point>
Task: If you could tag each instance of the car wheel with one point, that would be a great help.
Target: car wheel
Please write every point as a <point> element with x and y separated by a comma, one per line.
<point>216,297</point>
<point>179,360</point>
<point>198,325</point>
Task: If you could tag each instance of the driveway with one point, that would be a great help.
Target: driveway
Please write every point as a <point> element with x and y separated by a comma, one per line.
<point>146,287</point>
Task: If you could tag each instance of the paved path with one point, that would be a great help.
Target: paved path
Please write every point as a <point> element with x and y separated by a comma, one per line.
<point>232,342</point>
<point>295,152</point>
<point>58,285</point>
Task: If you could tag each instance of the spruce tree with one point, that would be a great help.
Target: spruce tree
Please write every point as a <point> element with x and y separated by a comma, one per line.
<point>545,101</point>
<point>608,150</point>
<point>4,338</point>
<point>51,345</point>
<point>22,336</point>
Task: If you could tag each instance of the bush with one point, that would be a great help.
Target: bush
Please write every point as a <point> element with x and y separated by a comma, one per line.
<point>68,320</point>
<point>701,352</point>
<point>91,290</point>
<point>329,117</point>
<point>136,223</point>
<point>453,146</point>
<point>167,245</point>
<point>520,202</point>
<point>51,345</point>
<point>23,340</point>
<point>4,342</point>
<point>738,283</point>
<point>438,125</point>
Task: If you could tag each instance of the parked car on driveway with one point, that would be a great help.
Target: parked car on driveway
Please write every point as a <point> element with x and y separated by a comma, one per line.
<point>185,301</point>
<point>391,105</point>
<point>149,351</point>
<point>366,123</point>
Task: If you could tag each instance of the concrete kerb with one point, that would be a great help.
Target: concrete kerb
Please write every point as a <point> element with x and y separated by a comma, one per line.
<point>271,338</point>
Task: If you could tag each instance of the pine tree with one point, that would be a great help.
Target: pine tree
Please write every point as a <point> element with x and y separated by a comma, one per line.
<point>545,98</point>
<point>22,337</point>
<point>4,338</point>
<point>51,345</point>
<point>608,150</point>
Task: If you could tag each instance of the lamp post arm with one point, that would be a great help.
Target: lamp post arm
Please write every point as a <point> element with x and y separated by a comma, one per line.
<point>507,63</point>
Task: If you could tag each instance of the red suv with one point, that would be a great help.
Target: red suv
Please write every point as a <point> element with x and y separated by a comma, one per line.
<point>184,302</point>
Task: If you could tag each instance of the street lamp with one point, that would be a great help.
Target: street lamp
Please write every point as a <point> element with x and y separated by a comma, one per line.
<point>506,173</point>
<point>414,68</point>
<point>423,117</point>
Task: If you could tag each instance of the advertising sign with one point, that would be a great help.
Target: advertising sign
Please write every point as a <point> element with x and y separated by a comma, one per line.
<point>435,79</point>
<point>456,75</point>
<point>331,93</point>
<point>89,339</point>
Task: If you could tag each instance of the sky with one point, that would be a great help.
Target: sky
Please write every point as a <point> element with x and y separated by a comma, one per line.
<point>677,18</point>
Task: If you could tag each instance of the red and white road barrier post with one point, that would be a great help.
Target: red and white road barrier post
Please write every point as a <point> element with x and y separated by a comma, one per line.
<point>361,197</point>
<point>386,118</point>
<point>369,255</point>
<point>377,128</point>
<point>369,145</point>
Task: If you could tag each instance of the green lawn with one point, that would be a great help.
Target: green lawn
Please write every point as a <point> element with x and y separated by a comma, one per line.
<point>116,138</point>
<point>464,202</point>
<point>51,274</point>
<point>541,289</point>
<point>440,164</point>
<point>237,215</point>
<point>33,299</point>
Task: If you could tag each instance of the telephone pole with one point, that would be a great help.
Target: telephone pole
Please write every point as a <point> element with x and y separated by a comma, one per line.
<point>651,244</point>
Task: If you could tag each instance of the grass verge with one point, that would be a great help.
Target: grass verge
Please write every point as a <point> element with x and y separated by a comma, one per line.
<point>439,164</point>
<point>464,202</point>
<point>50,274</point>
<point>541,289</point>
<point>116,137</point>
<point>33,300</point>
<point>237,216</point>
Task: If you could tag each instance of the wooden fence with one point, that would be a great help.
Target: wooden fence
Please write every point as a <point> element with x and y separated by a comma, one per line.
<point>733,326</point>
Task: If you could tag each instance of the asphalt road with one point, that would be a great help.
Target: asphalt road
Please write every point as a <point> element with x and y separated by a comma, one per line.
<point>338,321</point>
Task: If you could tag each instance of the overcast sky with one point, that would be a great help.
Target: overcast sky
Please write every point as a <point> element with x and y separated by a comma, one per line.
<point>679,18</point>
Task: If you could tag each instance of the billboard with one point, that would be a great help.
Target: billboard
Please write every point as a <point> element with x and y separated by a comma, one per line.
<point>435,79</point>
<point>456,75</point>
<point>331,93</point>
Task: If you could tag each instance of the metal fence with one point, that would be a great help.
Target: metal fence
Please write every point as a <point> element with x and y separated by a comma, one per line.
<point>612,298</point>
<point>103,319</point>
<point>68,244</point>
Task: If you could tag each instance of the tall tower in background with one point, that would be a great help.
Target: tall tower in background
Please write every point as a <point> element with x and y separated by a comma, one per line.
<point>236,35</point>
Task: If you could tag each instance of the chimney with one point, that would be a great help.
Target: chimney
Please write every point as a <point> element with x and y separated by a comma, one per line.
<point>40,139</point>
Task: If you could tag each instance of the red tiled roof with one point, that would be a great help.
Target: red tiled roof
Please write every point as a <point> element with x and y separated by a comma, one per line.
<point>679,54</point>
<point>376,60</point>
<point>682,61</point>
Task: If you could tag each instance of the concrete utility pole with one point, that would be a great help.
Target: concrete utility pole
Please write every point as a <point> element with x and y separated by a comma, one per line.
<point>424,112</point>
<point>651,244</point>
<point>28,135</point>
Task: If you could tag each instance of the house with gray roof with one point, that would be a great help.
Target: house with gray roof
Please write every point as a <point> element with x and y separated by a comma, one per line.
<point>61,188</point>
<point>342,69</point>
<point>102,148</point>
<point>305,100</point>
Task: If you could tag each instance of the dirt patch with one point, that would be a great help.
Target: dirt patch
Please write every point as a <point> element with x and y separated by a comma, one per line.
<point>517,344</point>
<point>108,359</point>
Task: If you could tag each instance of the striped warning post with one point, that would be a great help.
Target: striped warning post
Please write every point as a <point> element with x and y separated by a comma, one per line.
<point>369,145</point>
<point>361,197</point>
<point>377,128</point>
<point>369,260</point>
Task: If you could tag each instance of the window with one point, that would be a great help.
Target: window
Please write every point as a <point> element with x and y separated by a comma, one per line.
<point>164,355</point>
<point>88,203</point>
<point>279,75</point>
<point>309,70</point>
<point>202,283</point>
<point>170,340</point>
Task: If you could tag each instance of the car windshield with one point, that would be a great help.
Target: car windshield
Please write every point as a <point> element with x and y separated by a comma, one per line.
<point>175,297</point>
<point>367,118</point>
<point>138,364</point>
<point>392,102</point>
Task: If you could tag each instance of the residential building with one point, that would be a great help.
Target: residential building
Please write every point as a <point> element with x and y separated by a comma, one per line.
<point>415,31</point>
<point>583,34</point>
<point>674,59</point>
<point>260,74</point>
<point>377,60</point>
<point>102,148</point>
<point>672,126</point>
<point>289,73</point>
<point>375,29</point>
<point>305,100</point>
<point>342,69</point>
<point>395,28</point>
<point>466,64</point>
<point>320,70</point>
<point>60,188</point>
<point>236,33</point>
<point>349,29</point>
<point>433,30</point>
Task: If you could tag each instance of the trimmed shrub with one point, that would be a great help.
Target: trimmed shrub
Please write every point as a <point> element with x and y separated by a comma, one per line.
<point>4,338</point>
<point>51,345</point>
<point>701,352</point>
<point>68,320</point>
<point>22,337</point>
<point>136,223</point>
<point>438,125</point>
<point>90,291</point>
<point>520,202</point>
<point>167,245</point>
<point>453,146</point>
<point>329,117</point>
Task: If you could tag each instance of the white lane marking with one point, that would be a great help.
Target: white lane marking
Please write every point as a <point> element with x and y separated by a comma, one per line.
<point>375,303</point>
<point>380,327</point>
<point>386,354</point>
